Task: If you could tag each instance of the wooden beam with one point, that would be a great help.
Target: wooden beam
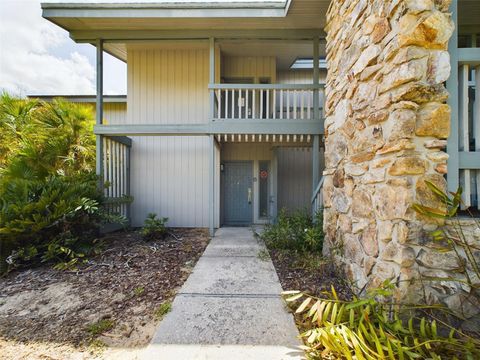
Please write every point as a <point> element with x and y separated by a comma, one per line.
<point>469,56</point>
<point>469,160</point>
<point>224,127</point>
<point>315,162</point>
<point>211,187</point>
<point>99,111</point>
<point>122,140</point>
<point>259,34</point>
<point>453,175</point>
<point>158,129</point>
<point>266,127</point>
<point>266,86</point>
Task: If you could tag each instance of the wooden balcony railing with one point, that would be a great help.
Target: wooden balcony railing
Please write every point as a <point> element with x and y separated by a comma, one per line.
<point>464,141</point>
<point>317,198</point>
<point>267,101</point>
<point>116,174</point>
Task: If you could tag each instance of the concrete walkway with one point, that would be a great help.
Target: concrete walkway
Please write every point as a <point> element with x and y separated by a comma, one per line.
<point>229,308</point>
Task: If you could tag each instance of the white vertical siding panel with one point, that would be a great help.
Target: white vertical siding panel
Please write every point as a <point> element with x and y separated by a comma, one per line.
<point>169,174</point>
<point>295,178</point>
<point>255,67</point>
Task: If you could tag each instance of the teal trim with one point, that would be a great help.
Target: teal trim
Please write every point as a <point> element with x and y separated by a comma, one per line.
<point>211,202</point>
<point>158,129</point>
<point>274,200</point>
<point>99,112</point>
<point>453,178</point>
<point>266,127</point>
<point>315,161</point>
<point>212,76</point>
<point>211,193</point>
<point>266,86</point>
<point>317,189</point>
<point>469,160</point>
<point>257,34</point>
<point>217,127</point>
<point>135,13</point>
<point>470,56</point>
<point>122,140</point>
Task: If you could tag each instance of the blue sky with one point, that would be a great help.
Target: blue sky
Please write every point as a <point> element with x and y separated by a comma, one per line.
<point>37,57</point>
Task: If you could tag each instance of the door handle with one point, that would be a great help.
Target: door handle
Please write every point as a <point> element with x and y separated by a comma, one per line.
<point>249,195</point>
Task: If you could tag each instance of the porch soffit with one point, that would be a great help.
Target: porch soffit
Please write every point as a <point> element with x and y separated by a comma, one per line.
<point>198,15</point>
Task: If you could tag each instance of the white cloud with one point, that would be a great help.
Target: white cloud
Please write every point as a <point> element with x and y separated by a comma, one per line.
<point>38,57</point>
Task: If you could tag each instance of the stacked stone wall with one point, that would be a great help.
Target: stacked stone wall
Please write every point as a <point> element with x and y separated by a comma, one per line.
<point>387,122</point>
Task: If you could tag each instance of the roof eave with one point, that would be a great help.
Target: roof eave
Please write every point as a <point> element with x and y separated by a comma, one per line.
<point>167,10</point>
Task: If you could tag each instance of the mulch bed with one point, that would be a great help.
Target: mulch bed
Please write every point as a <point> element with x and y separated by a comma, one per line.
<point>125,283</point>
<point>314,275</point>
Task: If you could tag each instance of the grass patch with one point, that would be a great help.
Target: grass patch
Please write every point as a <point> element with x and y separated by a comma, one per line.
<point>96,347</point>
<point>138,291</point>
<point>263,255</point>
<point>162,310</point>
<point>100,327</point>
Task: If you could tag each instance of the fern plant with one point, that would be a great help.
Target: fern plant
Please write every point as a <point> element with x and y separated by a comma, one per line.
<point>154,227</point>
<point>369,329</point>
<point>452,239</point>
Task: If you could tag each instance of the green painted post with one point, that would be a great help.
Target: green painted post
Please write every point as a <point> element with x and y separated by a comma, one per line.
<point>99,111</point>
<point>274,200</point>
<point>316,114</point>
<point>453,176</point>
<point>211,201</point>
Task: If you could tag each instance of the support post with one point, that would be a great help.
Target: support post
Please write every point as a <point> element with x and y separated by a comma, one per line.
<point>316,113</point>
<point>274,195</point>
<point>211,201</point>
<point>453,175</point>
<point>315,162</point>
<point>99,112</point>
<point>212,77</point>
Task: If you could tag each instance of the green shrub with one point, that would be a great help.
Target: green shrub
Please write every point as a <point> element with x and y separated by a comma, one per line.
<point>297,232</point>
<point>163,310</point>
<point>100,327</point>
<point>50,202</point>
<point>154,228</point>
<point>371,329</point>
<point>453,240</point>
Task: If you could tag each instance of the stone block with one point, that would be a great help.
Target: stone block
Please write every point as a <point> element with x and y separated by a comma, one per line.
<point>411,165</point>
<point>362,204</point>
<point>399,254</point>
<point>431,30</point>
<point>391,202</point>
<point>433,119</point>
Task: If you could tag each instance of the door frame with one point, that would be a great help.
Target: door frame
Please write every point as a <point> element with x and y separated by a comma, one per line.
<point>223,221</point>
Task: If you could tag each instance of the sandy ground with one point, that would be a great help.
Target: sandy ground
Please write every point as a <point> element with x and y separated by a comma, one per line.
<point>47,314</point>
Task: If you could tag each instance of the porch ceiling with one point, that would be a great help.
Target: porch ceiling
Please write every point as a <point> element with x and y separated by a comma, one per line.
<point>77,17</point>
<point>275,140</point>
<point>286,52</point>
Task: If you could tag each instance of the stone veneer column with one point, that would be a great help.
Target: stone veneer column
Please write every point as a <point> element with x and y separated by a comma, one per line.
<point>386,126</point>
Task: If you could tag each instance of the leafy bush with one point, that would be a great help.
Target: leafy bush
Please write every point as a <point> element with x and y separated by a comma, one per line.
<point>454,241</point>
<point>297,232</point>
<point>154,228</point>
<point>50,201</point>
<point>372,329</point>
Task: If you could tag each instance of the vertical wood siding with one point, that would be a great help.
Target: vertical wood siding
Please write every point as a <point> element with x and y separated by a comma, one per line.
<point>169,175</point>
<point>256,67</point>
<point>115,113</point>
<point>295,178</point>
<point>299,76</point>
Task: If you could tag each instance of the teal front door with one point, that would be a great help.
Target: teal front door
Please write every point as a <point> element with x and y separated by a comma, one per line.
<point>238,192</point>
